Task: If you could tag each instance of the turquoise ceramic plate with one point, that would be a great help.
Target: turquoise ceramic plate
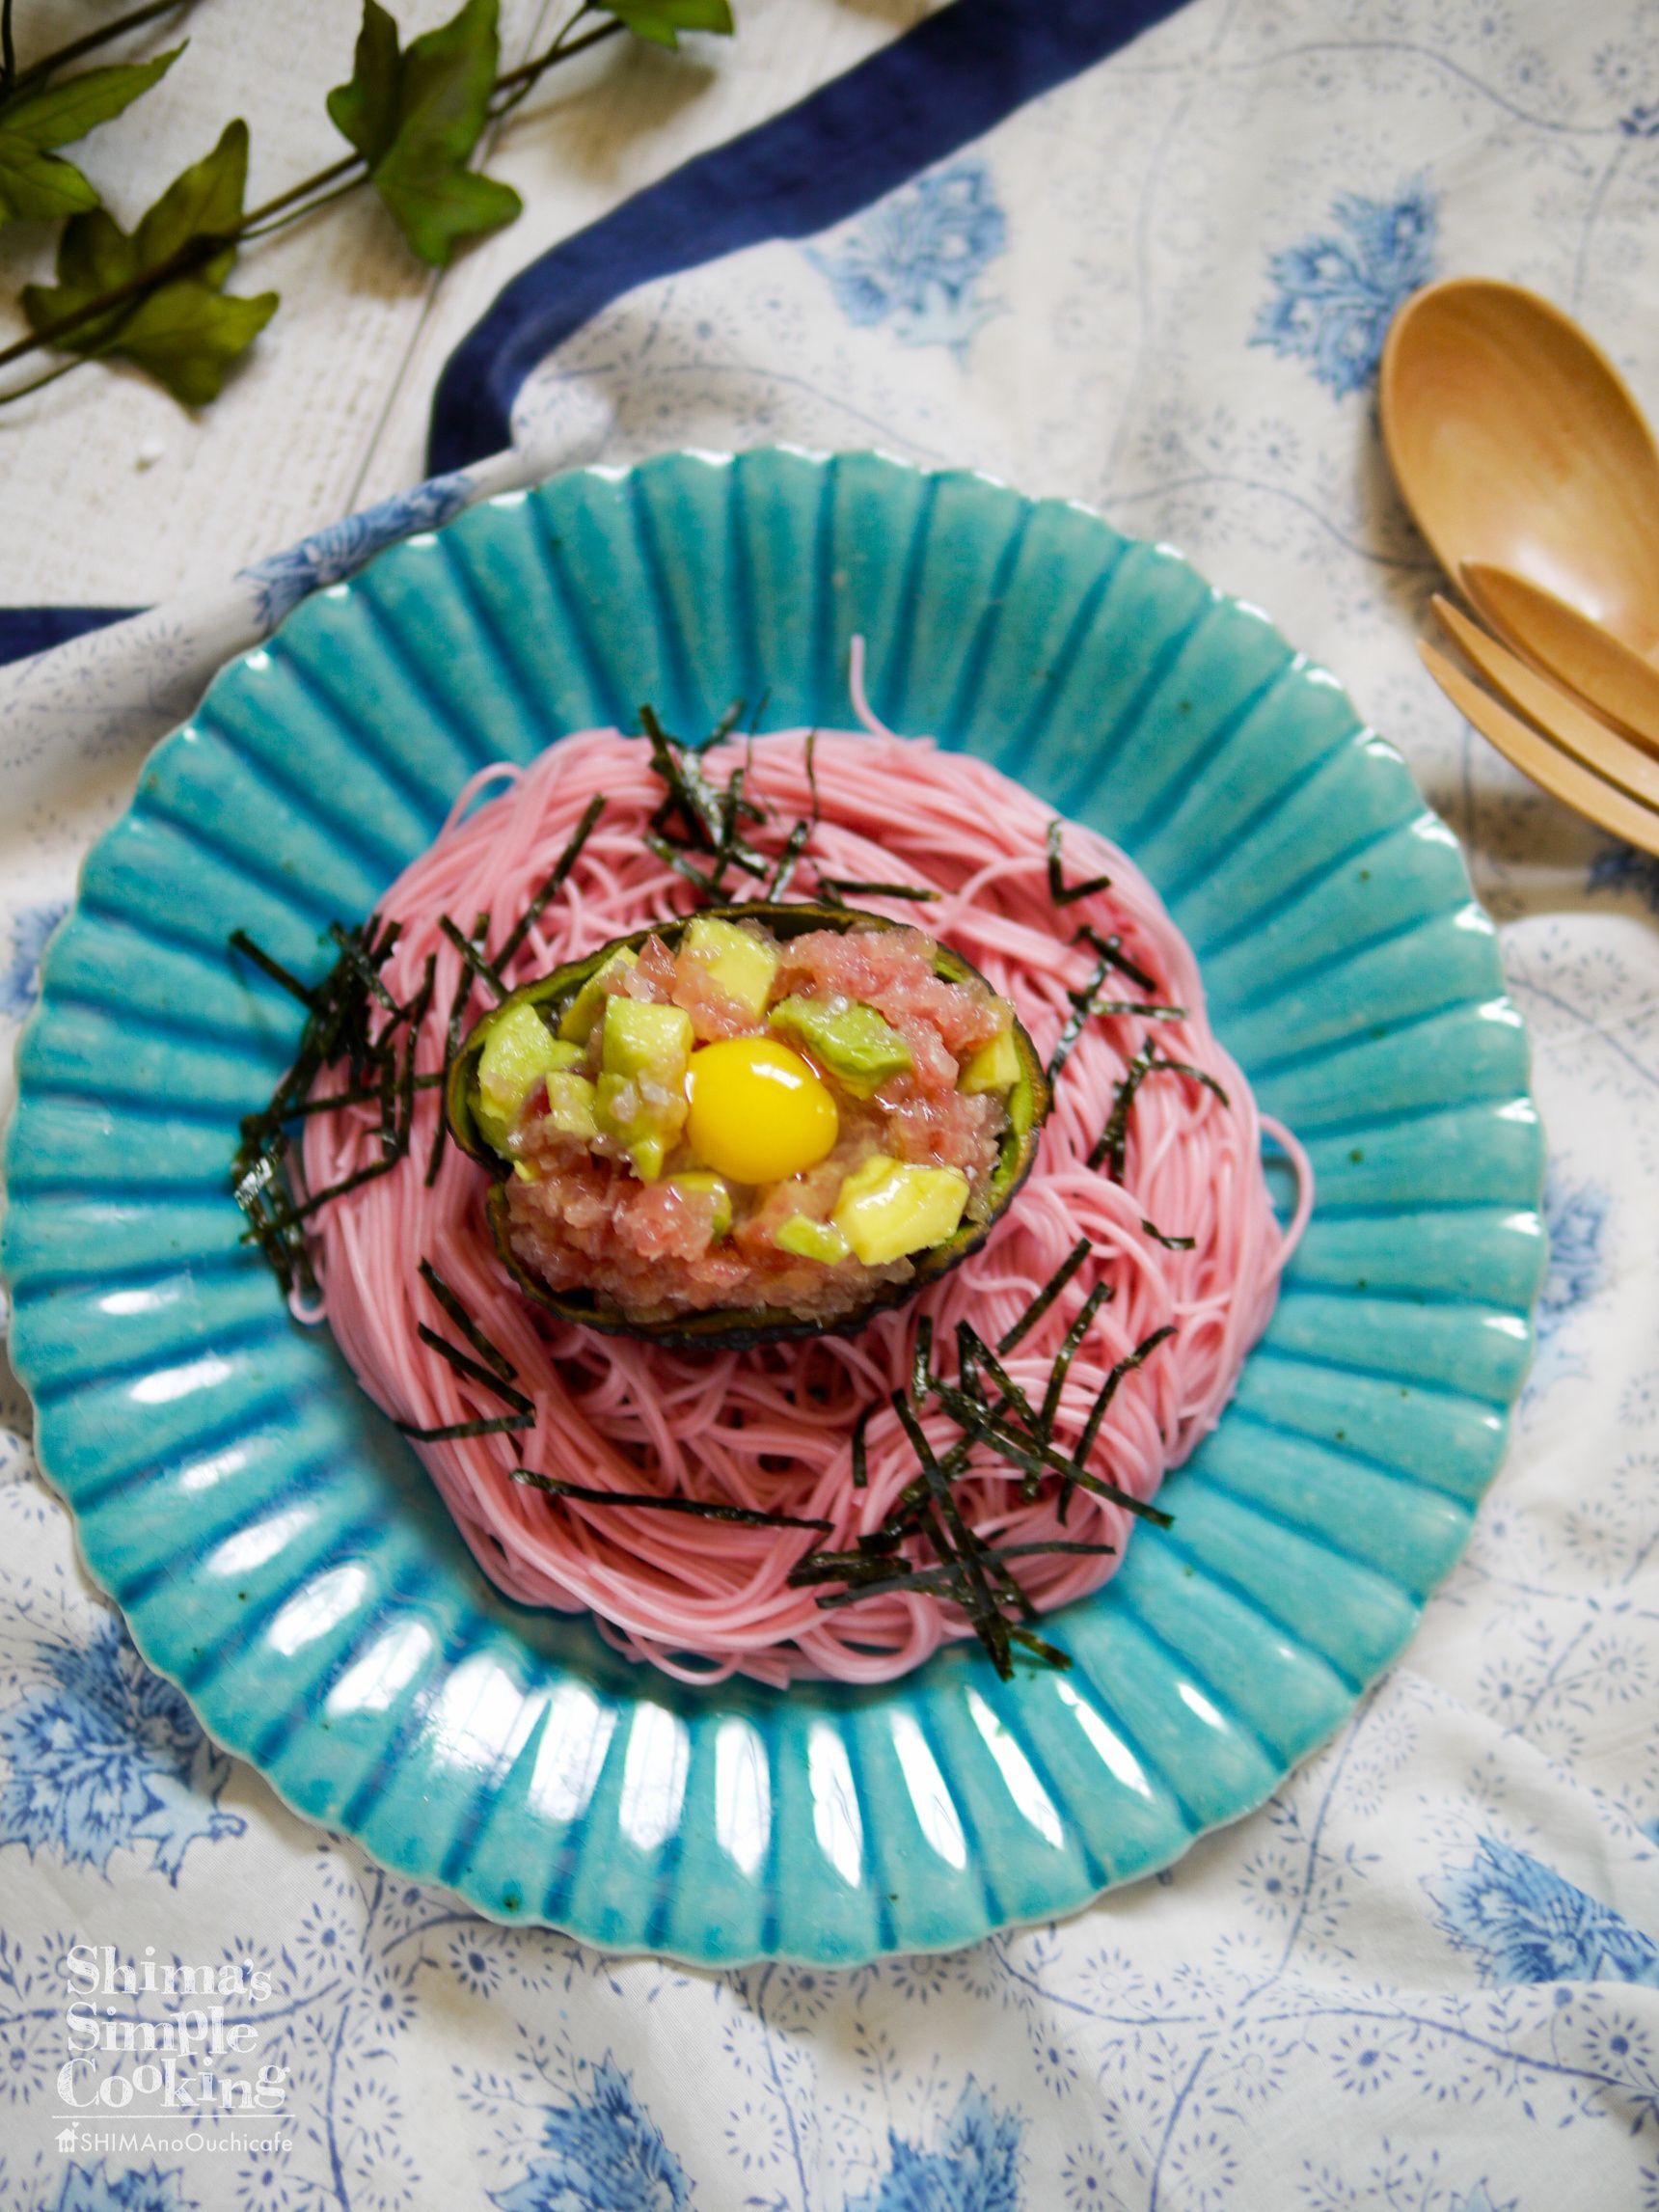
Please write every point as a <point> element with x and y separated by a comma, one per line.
<point>274,1545</point>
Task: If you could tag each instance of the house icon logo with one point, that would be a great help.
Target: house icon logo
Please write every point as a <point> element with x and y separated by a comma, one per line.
<point>65,2140</point>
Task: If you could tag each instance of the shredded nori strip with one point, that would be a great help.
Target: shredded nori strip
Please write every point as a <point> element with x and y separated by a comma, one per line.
<point>475,958</point>
<point>691,795</point>
<point>1084,1002</point>
<point>381,1072</point>
<point>367,964</point>
<point>938,1476</point>
<point>921,1359</point>
<point>699,818</point>
<point>1169,1244</point>
<point>337,1025</point>
<point>710,818</point>
<point>475,1370</point>
<point>1088,1001</point>
<point>897,1574</point>
<point>879,1541</point>
<point>812,775</point>
<point>453,1431</point>
<point>860,1449</point>
<point>451,1045</point>
<point>743,1517</point>
<point>960,1549</point>
<point>784,873</point>
<point>1045,1298</point>
<point>973,1352</point>
<point>861,889</point>
<point>966,1567</point>
<point>1111,1146</point>
<point>395,1142</point>
<point>1109,1391</point>
<point>274,969</point>
<point>729,719</point>
<point>850,1566</point>
<point>352,1182</point>
<point>674,856</point>
<point>1057,890</point>
<point>554,884</point>
<point>1110,950</point>
<point>490,1353</point>
<point>1036,1455</point>
<point>1062,1358</point>
<point>731,852</point>
<point>1050,1654</point>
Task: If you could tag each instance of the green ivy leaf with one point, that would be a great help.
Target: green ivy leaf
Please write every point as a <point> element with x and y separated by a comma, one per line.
<point>35,184</point>
<point>366,110</point>
<point>187,333</point>
<point>203,201</point>
<point>416,116</point>
<point>660,22</point>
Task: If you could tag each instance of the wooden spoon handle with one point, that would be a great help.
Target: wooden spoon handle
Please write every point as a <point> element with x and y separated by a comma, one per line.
<point>1550,769</point>
<point>1551,710</point>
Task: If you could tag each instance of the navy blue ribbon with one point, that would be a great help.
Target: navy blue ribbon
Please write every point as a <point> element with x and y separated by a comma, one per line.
<point>26,630</point>
<point>941,86</point>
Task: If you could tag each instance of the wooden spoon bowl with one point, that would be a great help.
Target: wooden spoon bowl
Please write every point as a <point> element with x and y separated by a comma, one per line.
<point>1516,441</point>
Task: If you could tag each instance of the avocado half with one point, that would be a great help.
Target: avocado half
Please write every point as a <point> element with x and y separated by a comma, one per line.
<point>734,1328</point>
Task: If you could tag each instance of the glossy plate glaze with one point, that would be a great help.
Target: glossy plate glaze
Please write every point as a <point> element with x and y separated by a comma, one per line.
<point>273,1542</point>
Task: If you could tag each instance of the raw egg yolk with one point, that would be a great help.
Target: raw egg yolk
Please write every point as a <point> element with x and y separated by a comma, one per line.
<point>757,1111</point>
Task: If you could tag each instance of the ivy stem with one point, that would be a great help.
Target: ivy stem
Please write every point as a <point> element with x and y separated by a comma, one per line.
<point>104,36</point>
<point>299,214</point>
<point>516,83</point>
<point>257,221</point>
<point>40,383</point>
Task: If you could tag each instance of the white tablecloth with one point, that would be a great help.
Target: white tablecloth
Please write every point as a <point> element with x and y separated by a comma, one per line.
<point>1421,1979</point>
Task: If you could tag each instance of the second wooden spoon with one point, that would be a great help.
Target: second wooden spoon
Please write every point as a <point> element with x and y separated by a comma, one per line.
<point>1564,643</point>
<point>1548,767</point>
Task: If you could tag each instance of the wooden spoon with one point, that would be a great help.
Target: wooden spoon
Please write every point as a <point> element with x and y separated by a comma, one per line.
<point>1564,643</point>
<point>1551,769</point>
<point>1553,712</point>
<point>1516,441</point>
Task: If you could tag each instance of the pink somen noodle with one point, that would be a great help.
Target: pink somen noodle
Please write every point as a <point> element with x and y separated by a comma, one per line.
<point>771,1427</point>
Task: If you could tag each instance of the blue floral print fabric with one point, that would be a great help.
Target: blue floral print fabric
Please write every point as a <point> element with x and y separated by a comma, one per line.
<point>1425,1978</point>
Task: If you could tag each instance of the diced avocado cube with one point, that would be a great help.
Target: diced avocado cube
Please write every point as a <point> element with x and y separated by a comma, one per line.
<point>642,1039</point>
<point>888,1207</point>
<point>643,1051</point>
<point>571,1099</point>
<point>810,1240</point>
<point>621,1113</point>
<point>519,1049</point>
<point>742,964</point>
<point>850,1039</point>
<point>697,1181</point>
<point>576,1023</point>
<point>995,1067</point>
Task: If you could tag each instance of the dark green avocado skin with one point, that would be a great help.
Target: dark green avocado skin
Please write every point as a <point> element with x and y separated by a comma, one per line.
<point>735,1328</point>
